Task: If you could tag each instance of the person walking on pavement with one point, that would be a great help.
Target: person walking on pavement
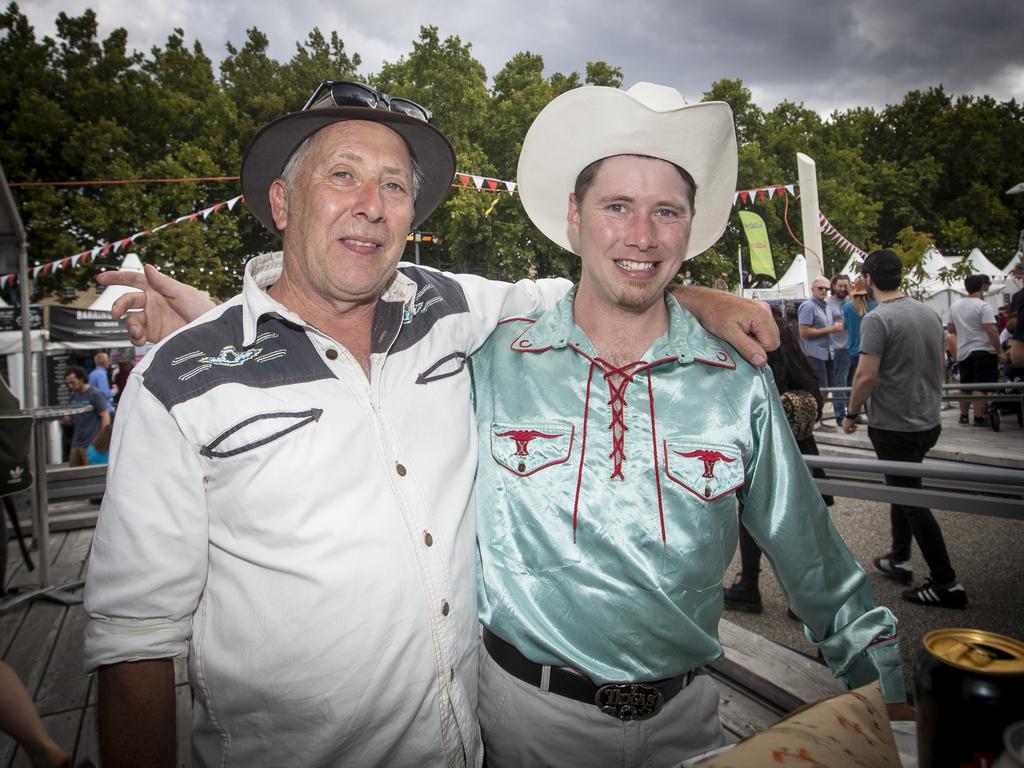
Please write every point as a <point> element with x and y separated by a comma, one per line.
<point>900,370</point>
<point>978,351</point>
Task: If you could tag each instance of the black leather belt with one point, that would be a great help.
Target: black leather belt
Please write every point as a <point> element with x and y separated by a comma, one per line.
<point>626,701</point>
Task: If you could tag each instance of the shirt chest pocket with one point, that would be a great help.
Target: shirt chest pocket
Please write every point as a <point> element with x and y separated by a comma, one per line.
<point>524,449</point>
<point>705,477</point>
<point>530,523</point>
<point>257,431</point>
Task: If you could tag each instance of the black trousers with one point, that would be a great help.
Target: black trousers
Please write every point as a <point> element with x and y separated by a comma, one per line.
<point>908,522</point>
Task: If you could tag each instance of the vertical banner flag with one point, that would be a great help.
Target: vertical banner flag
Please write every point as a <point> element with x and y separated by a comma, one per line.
<point>760,249</point>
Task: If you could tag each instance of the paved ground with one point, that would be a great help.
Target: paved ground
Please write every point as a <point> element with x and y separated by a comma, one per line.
<point>985,551</point>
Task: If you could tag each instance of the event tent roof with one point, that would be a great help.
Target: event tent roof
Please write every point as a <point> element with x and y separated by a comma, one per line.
<point>105,301</point>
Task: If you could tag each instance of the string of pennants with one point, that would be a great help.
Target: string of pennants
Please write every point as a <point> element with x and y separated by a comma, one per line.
<point>483,183</point>
<point>827,227</point>
<point>70,262</point>
<point>837,237</point>
<point>762,193</point>
<point>463,180</point>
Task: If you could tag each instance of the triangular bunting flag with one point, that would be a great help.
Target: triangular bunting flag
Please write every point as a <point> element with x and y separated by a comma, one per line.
<point>463,179</point>
<point>94,253</point>
<point>75,259</point>
<point>180,219</point>
<point>735,197</point>
<point>205,213</point>
<point>743,196</point>
<point>511,186</point>
<point>36,271</point>
<point>771,192</point>
<point>789,188</point>
<point>218,207</point>
<point>231,203</point>
<point>491,183</point>
<point>105,250</point>
<point>479,182</point>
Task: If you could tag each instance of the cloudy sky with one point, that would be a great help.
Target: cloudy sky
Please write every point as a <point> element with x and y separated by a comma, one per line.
<point>824,53</point>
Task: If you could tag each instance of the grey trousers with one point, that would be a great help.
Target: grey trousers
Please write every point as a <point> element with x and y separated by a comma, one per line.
<point>524,727</point>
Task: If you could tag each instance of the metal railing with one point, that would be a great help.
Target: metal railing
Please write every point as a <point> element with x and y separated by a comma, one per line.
<point>977,490</point>
<point>1002,391</point>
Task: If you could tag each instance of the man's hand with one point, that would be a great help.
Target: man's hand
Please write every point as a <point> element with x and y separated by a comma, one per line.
<point>901,711</point>
<point>746,324</point>
<point>849,424</point>
<point>159,306</point>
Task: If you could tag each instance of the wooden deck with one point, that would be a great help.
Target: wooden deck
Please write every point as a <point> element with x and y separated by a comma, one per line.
<point>759,681</point>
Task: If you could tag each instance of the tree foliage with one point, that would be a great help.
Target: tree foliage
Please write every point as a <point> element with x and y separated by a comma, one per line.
<point>931,169</point>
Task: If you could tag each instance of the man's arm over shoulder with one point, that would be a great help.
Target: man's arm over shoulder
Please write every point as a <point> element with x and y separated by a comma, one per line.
<point>491,301</point>
<point>744,323</point>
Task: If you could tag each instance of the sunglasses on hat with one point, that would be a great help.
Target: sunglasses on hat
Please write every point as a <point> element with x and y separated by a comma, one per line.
<point>343,93</point>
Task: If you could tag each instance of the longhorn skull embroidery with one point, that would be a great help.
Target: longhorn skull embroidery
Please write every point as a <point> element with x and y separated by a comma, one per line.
<point>523,438</point>
<point>710,458</point>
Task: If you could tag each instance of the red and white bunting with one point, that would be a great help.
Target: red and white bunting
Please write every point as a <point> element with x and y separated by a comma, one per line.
<point>70,262</point>
<point>763,193</point>
<point>836,236</point>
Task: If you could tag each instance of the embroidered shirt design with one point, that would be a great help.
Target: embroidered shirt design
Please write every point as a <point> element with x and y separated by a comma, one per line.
<point>523,438</point>
<point>228,357</point>
<point>418,306</point>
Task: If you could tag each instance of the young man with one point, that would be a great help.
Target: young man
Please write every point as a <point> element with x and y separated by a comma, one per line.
<point>901,371</point>
<point>86,425</point>
<point>978,350</point>
<point>616,437</point>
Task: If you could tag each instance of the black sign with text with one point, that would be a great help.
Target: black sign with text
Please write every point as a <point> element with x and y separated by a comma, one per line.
<point>68,324</point>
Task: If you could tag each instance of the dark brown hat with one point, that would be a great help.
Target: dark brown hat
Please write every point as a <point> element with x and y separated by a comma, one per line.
<point>269,150</point>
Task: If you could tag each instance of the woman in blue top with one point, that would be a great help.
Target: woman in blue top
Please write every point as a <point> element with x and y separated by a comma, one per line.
<point>853,312</point>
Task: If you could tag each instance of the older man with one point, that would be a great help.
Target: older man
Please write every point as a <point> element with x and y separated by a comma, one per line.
<point>616,437</point>
<point>291,498</point>
<point>818,323</point>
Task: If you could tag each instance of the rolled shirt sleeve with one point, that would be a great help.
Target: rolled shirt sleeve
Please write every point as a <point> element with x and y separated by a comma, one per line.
<point>823,583</point>
<point>148,564</point>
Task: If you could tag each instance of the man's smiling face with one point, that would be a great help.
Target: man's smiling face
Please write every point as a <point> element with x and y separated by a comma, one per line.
<point>346,215</point>
<point>631,230</point>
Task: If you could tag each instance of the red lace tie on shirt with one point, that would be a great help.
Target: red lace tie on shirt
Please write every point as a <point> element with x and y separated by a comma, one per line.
<point>618,379</point>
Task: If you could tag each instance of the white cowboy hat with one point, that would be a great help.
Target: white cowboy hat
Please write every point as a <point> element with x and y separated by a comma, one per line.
<point>594,122</point>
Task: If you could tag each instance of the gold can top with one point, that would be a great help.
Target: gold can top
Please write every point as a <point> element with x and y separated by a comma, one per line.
<point>976,650</point>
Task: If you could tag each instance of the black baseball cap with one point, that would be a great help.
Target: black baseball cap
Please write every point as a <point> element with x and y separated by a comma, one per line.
<point>882,264</point>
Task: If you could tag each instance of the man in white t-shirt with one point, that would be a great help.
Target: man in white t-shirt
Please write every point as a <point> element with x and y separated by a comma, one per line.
<point>978,351</point>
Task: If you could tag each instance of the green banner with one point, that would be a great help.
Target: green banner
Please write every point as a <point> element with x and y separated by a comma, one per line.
<point>760,249</point>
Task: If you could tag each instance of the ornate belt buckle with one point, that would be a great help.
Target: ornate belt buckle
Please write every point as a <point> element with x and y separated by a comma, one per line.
<point>629,701</point>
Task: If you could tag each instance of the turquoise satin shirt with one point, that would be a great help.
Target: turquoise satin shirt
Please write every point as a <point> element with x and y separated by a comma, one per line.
<point>607,506</point>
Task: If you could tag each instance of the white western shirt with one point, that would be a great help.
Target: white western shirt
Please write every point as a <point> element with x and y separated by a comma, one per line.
<point>305,536</point>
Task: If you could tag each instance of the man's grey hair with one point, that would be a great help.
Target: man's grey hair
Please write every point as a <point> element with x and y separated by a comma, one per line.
<point>291,168</point>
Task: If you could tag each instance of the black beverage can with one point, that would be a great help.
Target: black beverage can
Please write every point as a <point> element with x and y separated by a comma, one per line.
<point>969,686</point>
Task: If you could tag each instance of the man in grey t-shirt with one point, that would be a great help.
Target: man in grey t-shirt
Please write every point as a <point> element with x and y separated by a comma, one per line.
<point>901,371</point>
